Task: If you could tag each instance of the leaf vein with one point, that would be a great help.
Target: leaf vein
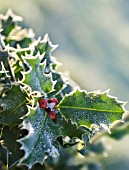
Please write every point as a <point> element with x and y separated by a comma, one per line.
<point>86,108</point>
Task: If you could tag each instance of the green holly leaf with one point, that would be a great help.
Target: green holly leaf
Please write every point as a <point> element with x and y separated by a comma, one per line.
<point>58,86</point>
<point>17,70</point>
<point>44,45</point>
<point>42,133</point>
<point>35,76</point>
<point>59,81</point>
<point>69,128</point>
<point>91,108</point>
<point>9,141</point>
<point>61,87</point>
<point>13,106</point>
<point>9,22</point>
<point>67,89</point>
<point>13,33</point>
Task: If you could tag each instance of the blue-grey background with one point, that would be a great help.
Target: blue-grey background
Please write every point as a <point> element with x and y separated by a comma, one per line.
<point>93,38</point>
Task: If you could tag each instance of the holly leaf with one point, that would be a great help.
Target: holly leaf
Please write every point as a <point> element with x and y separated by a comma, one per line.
<point>59,81</point>
<point>13,106</point>
<point>45,47</point>
<point>9,137</point>
<point>17,70</point>
<point>42,133</point>
<point>91,108</point>
<point>35,76</point>
<point>61,87</point>
<point>13,33</point>
<point>69,128</point>
<point>67,89</point>
<point>58,86</point>
<point>9,22</point>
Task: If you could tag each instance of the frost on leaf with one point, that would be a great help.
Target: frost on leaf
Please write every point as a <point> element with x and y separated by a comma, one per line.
<point>91,108</point>
<point>13,33</point>
<point>42,133</point>
<point>13,106</point>
<point>9,22</point>
<point>69,128</point>
<point>35,76</point>
<point>59,81</point>
<point>45,47</point>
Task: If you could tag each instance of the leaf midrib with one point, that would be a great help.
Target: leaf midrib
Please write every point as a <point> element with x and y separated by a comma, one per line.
<point>22,103</point>
<point>88,109</point>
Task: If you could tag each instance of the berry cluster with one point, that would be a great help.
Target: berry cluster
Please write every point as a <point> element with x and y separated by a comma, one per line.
<point>49,106</point>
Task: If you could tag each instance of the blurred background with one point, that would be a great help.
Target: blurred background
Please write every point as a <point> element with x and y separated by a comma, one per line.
<point>93,38</point>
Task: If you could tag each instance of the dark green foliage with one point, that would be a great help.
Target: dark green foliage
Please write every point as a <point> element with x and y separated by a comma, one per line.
<point>13,106</point>
<point>29,137</point>
<point>10,136</point>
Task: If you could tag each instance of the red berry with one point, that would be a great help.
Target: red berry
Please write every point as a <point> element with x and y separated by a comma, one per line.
<point>53,100</point>
<point>43,103</point>
<point>52,114</point>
